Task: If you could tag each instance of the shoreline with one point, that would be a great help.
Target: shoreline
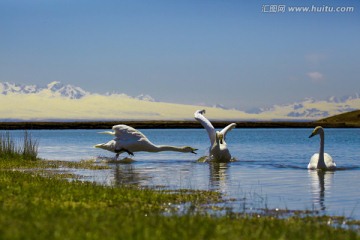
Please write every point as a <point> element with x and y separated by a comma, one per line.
<point>166,124</point>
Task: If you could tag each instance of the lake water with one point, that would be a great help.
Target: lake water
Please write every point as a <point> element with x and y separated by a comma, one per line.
<point>270,171</point>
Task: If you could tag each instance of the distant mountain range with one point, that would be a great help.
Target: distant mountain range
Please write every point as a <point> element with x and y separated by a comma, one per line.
<point>307,109</point>
<point>57,89</point>
<point>311,108</point>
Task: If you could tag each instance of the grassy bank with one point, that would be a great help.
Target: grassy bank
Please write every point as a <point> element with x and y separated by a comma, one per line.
<point>37,208</point>
<point>349,118</point>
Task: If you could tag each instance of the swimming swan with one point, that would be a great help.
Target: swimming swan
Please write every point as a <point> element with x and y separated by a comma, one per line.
<point>218,149</point>
<point>130,140</point>
<point>321,160</point>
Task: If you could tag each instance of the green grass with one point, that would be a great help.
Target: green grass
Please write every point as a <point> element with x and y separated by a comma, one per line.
<point>37,207</point>
<point>349,119</point>
<point>34,207</point>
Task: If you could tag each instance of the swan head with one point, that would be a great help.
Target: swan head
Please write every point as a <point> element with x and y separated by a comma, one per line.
<point>316,131</point>
<point>220,136</point>
<point>105,146</point>
<point>189,149</point>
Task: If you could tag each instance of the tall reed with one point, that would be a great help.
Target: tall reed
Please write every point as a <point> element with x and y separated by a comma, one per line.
<point>10,148</point>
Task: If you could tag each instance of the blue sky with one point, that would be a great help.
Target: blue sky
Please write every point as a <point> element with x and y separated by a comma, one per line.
<point>182,51</point>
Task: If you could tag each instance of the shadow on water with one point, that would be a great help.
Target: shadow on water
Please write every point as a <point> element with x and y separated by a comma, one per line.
<point>124,160</point>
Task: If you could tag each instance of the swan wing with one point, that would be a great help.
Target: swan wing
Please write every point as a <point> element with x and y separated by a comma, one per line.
<point>313,161</point>
<point>329,162</point>
<point>206,124</point>
<point>126,133</point>
<point>227,129</point>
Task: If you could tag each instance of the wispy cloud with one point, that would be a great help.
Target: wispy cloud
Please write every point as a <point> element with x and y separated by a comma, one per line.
<point>316,76</point>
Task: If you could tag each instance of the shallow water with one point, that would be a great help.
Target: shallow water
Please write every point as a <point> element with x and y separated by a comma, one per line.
<point>270,170</point>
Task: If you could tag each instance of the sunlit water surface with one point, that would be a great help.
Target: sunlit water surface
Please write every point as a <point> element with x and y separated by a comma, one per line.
<point>270,170</point>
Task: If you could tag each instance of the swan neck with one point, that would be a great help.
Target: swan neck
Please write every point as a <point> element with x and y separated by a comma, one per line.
<point>161,148</point>
<point>322,142</point>
<point>217,140</point>
<point>321,151</point>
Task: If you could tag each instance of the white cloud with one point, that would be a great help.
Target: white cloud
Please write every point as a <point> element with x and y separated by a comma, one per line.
<point>316,76</point>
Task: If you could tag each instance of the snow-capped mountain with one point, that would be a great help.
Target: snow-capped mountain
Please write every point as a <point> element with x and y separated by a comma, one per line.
<point>311,108</point>
<point>219,105</point>
<point>344,98</point>
<point>145,97</point>
<point>55,88</point>
<point>68,91</point>
<point>31,99</point>
<point>7,87</point>
<point>58,89</point>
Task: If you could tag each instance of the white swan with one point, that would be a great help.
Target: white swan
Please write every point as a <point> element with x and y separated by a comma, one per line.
<point>130,140</point>
<point>321,160</point>
<point>218,149</point>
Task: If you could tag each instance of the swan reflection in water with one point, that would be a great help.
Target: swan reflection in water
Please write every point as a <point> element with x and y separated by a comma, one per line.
<point>321,182</point>
<point>126,174</point>
<point>218,176</point>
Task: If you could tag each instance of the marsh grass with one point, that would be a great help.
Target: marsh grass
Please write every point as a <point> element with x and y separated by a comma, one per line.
<point>25,149</point>
<point>34,207</point>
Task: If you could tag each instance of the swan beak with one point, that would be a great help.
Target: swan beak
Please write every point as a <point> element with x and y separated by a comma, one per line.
<point>312,134</point>
<point>101,145</point>
<point>221,138</point>
<point>193,150</point>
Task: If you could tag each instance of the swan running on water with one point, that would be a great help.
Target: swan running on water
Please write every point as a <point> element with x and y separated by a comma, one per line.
<point>321,160</point>
<point>130,140</point>
<point>218,149</point>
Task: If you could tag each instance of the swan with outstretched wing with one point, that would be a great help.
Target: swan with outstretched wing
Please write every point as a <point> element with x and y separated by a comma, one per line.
<point>218,148</point>
<point>130,140</point>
